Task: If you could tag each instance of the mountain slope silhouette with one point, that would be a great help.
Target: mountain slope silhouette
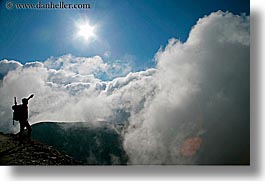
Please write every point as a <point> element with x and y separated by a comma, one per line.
<point>92,145</point>
<point>35,153</point>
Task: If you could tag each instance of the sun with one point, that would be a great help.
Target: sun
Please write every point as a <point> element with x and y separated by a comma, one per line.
<point>85,31</point>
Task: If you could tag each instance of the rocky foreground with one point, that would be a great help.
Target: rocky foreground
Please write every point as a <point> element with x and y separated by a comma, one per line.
<point>34,153</point>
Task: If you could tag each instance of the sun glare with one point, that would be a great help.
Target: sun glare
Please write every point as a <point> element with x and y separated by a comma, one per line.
<point>85,31</point>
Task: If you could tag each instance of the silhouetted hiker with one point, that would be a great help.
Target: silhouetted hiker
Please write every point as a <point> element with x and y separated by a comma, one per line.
<point>21,114</point>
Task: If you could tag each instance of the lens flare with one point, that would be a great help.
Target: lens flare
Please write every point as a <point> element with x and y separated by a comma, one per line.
<point>190,146</point>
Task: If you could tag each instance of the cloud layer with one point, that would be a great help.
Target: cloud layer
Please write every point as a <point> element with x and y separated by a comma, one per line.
<point>199,90</point>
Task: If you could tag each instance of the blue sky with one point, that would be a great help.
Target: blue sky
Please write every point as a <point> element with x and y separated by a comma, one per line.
<point>130,30</point>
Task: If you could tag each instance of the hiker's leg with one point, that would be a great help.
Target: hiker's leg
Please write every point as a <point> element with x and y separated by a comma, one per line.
<point>22,126</point>
<point>29,129</point>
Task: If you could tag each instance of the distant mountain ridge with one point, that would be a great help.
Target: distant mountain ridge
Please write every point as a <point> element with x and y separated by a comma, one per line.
<point>99,144</point>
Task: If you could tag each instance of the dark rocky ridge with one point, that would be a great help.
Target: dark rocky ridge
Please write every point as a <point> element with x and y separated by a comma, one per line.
<point>35,153</point>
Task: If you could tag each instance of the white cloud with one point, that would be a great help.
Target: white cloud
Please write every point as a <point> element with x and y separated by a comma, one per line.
<point>33,64</point>
<point>8,65</point>
<point>199,88</point>
<point>79,65</point>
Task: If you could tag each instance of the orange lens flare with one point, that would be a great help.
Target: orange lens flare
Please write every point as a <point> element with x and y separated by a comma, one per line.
<point>190,146</point>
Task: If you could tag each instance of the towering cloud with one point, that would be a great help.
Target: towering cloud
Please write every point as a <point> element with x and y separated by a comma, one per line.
<point>193,107</point>
<point>203,92</point>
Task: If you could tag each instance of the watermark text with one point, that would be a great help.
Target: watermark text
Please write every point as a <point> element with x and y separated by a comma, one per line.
<point>47,5</point>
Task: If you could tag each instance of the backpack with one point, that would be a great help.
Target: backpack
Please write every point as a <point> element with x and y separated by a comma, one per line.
<point>17,110</point>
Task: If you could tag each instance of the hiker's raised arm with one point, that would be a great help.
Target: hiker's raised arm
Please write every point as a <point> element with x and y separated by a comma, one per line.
<point>30,96</point>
